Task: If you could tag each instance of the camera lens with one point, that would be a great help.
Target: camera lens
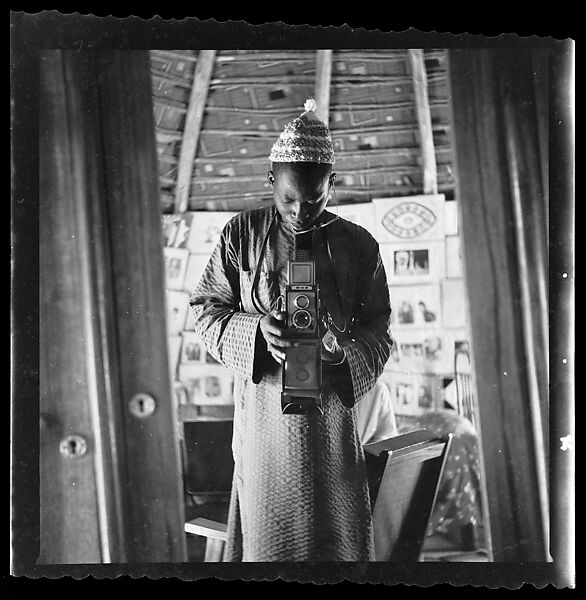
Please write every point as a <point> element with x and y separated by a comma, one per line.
<point>301,301</point>
<point>302,357</point>
<point>302,375</point>
<point>301,319</point>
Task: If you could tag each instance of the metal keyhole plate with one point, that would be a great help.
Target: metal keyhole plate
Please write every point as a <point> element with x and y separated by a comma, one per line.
<point>73,446</point>
<point>142,405</point>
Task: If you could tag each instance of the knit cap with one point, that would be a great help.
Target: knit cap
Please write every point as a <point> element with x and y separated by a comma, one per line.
<point>305,139</point>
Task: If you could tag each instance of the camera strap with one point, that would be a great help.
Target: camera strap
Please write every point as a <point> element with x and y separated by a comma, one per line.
<point>326,275</point>
<point>304,246</point>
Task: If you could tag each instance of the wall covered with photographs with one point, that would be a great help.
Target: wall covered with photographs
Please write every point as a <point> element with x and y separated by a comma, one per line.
<point>420,248</point>
<point>202,386</point>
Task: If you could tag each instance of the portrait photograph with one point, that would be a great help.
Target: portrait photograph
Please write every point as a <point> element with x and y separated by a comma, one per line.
<point>177,306</point>
<point>175,267</point>
<point>176,230</point>
<point>196,263</point>
<point>413,393</point>
<point>416,306</point>
<point>207,385</point>
<point>205,230</point>
<point>414,262</point>
<point>193,350</point>
<point>424,351</point>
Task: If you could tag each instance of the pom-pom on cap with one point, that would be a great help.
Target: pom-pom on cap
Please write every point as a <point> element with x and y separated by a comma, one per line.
<point>310,105</point>
<point>305,139</point>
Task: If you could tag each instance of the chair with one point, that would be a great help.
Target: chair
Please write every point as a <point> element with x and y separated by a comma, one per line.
<point>404,473</point>
<point>215,534</point>
<point>403,476</point>
<point>207,478</point>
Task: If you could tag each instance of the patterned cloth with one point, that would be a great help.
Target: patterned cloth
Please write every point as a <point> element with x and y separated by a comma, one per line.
<point>299,490</point>
<point>458,503</point>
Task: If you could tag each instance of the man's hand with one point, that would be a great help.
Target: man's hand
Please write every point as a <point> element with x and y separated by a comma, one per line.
<point>273,329</point>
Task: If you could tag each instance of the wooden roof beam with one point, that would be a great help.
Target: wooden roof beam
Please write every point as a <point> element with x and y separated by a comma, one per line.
<point>193,119</point>
<point>323,79</point>
<point>422,110</point>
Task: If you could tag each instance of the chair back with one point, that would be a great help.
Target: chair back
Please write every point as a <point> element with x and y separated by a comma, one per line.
<point>208,464</point>
<point>404,473</point>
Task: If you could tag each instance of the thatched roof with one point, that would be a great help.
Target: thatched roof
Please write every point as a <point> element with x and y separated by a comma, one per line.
<point>252,94</point>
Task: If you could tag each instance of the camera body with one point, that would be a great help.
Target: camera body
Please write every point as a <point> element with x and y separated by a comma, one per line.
<point>301,370</point>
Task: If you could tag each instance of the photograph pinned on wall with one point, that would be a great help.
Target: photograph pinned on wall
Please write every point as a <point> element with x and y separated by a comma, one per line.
<point>176,230</point>
<point>416,306</point>
<point>402,387</point>
<point>414,262</point>
<point>360,213</point>
<point>454,263</point>
<point>173,349</point>
<point>462,352</point>
<point>180,394</point>
<point>425,351</point>
<point>206,227</point>
<point>175,267</point>
<point>438,351</point>
<point>413,394</point>
<point>190,379</point>
<point>427,390</point>
<point>461,342</point>
<point>177,311</point>
<point>410,351</point>
<point>451,217</point>
<point>207,384</point>
<point>409,218</point>
<point>196,264</point>
<point>193,349</point>
<point>454,303</point>
<point>394,362</point>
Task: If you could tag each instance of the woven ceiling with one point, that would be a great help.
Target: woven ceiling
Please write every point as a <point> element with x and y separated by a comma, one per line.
<point>252,94</point>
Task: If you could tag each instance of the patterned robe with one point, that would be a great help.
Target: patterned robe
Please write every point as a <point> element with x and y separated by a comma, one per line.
<point>299,489</point>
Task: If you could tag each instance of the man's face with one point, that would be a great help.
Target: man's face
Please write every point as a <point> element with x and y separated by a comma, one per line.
<point>300,194</point>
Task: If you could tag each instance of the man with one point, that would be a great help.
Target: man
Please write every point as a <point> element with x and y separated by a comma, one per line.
<point>299,490</point>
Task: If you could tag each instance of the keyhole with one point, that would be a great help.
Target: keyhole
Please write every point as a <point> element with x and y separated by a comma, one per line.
<point>73,446</point>
<point>142,405</point>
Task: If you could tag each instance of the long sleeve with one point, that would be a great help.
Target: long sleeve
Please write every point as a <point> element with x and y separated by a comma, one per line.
<point>230,335</point>
<point>368,344</point>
